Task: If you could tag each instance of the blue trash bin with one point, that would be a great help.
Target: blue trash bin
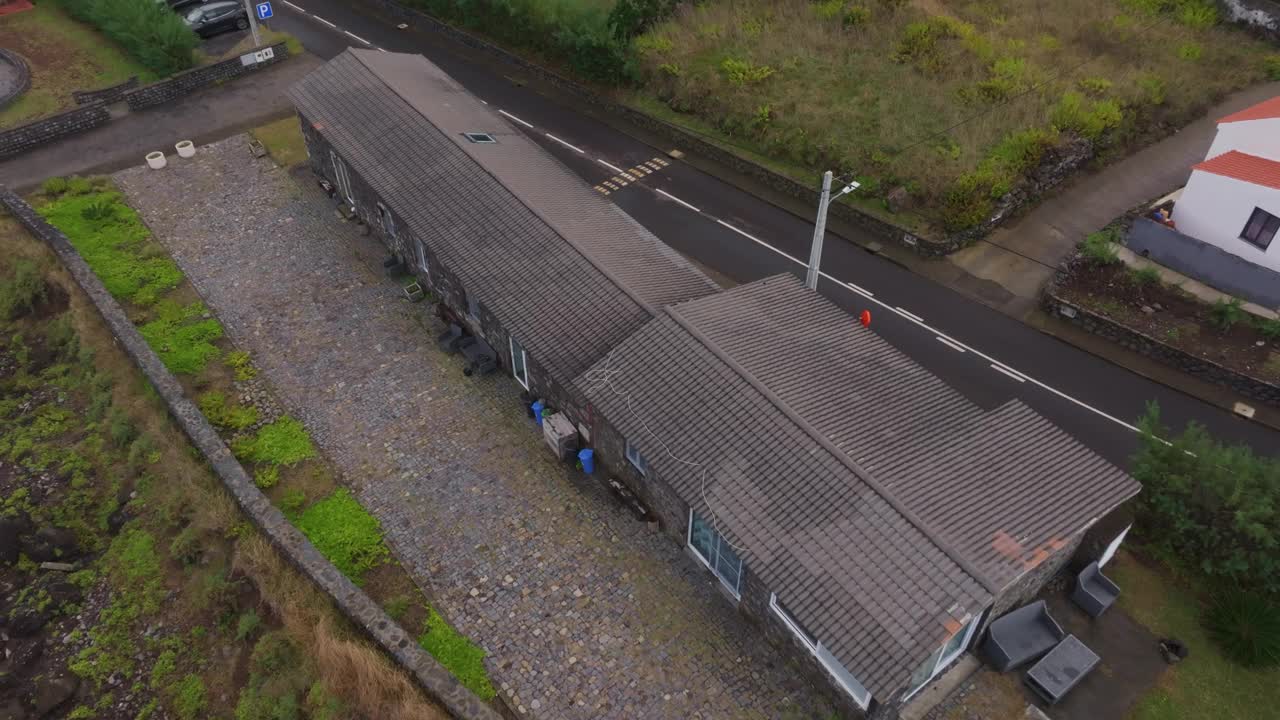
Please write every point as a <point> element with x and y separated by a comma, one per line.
<point>538,406</point>
<point>587,457</point>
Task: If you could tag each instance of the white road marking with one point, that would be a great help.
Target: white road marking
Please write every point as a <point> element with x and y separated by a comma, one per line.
<point>949,343</point>
<point>513,117</point>
<point>758,241</point>
<point>904,313</point>
<point>382,49</point>
<point>295,7</point>
<point>486,102</point>
<point>673,197</point>
<point>614,168</point>
<point>357,37</point>
<point>326,22</point>
<point>860,290</point>
<point>571,147</point>
<point>1007,371</point>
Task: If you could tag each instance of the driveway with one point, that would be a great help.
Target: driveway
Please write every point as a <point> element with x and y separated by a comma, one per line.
<point>585,612</point>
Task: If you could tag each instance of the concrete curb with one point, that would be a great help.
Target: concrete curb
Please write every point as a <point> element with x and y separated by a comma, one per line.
<point>438,682</point>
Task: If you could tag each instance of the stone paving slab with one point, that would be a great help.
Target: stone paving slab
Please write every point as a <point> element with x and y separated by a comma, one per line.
<point>584,611</point>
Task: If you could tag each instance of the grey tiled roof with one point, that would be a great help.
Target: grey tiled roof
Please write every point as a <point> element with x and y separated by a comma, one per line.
<point>568,273</point>
<point>876,501</point>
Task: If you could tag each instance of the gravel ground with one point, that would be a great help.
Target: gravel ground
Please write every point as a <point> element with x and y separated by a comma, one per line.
<point>585,613</point>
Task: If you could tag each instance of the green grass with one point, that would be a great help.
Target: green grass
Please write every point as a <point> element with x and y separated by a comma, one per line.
<point>229,415</point>
<point>118,246</point>
<point>345,533</point>
<point>1206,684</point>
<point>462,657</point>
<point>182,336</point>
<point>921,97</point>
<point>64,55</point>
<point>283,140</point>
<point>283,442</point>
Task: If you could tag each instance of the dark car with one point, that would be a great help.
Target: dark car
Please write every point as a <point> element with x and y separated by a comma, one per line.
<point>181,6</point>
<point>217,17</point>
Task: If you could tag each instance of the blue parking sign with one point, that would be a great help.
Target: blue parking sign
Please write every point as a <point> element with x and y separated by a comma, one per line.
<point>264,10</point>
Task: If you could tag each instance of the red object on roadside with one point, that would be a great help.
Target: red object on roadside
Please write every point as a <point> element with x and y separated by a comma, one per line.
<point>865,318</point>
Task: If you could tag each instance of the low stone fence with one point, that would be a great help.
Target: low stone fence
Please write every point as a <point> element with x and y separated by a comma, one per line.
<point>1263,16</point>
<point>351,600</point>
<point>188,81</point>
<point>107,95</point>
<point>21,71</point>
<point>16,141</point>
<point>1143,344</point>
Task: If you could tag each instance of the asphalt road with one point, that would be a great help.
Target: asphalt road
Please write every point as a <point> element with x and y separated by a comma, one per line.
<point>985,355</point>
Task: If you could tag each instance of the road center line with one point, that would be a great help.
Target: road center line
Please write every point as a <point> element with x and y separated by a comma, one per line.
<point>1006,371</point>
<point>860,290</point>
<point>614,168</point>
<point>904,313</point>
<point>357,37</point>
<point>513,117</point>
<point>295,7</point>
<point>949,343</point>
<point>673,197</point>
<point>326,22</point>
<point>571,147</point>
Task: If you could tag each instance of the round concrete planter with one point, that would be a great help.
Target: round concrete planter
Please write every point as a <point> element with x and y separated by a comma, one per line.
<point>155,160</point>
<point>185,149</point>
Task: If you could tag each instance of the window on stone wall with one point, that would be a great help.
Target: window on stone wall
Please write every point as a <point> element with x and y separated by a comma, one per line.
<point>1261,228</point>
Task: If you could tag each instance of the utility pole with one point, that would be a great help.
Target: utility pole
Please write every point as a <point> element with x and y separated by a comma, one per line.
<point>820,228</point>
<point>253,22</point>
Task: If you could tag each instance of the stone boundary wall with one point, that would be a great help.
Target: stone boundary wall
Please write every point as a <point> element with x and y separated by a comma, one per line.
<point>1150,347</point>
<point>188,81</point>
<point>351,600</point>
<point>107,95</point>
<point>1263,16</point>
<point>18,140</point>
<point>687,140</point>
<point>24,75</point>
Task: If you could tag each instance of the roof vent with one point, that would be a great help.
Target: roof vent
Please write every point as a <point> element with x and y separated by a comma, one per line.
<point>479,137</point>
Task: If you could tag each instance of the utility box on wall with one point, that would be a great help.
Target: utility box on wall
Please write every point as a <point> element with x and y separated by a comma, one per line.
<point>560,434</point>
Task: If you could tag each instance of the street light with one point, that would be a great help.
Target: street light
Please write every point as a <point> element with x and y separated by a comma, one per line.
<point>820,227</point>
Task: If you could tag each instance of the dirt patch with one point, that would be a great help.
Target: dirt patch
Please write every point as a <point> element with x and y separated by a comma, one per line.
<point>1171,316</point>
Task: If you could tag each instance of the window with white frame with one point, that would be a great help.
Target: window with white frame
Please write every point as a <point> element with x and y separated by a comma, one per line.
<point>519,363</point>
<point>851,685</point>
<point>342,176</point>
<point>636,459</point>
<point>423,265</point>
<point>711,547</point>
<point>941,658</point>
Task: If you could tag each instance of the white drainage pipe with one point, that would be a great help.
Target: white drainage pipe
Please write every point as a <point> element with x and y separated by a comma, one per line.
<point>185,149</point>
<point>155,160</point>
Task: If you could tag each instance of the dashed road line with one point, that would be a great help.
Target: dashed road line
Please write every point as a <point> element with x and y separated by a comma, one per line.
<point>357,37</point>
<point>860,290</point>
<point>1006,371</point>
<point>513,117</point>
<point>326,22</point>
<point>295,7</point>
<point>571,147</point>
<point>614,168</point>
<point>669,196</point>
<point>904,313</point>
<point>954,346</point>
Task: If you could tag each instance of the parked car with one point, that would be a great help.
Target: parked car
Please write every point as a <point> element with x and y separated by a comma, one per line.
<point>181,6</point>
<point>217,17</point>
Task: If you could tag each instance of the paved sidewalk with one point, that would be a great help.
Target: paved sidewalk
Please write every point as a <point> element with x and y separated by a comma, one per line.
<point>584,611</point>
<point>212,114</point>
<point>1021,257</point>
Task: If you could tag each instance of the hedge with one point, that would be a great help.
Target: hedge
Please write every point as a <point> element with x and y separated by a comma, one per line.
<point>148,30</point>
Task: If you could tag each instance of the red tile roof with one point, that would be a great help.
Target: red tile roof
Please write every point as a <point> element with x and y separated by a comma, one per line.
<point>1264,110</point>
<point>1240,166</point>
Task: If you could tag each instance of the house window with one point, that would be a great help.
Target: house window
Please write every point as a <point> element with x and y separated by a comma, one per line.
<point>1112,547</point>
<point>422,256</point>
<point>519,363</point>
<point>939,659</point>
<point>388,222</point>
<point>473,306</point>
<point>860,694</point>
<point>479,137</point>
<point>636,459</point>
<point>716,552</point>
<point>1261,228</point>
<point>342,177</point>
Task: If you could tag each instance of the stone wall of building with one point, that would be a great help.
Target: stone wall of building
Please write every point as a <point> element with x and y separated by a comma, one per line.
<point>18,140</point>
<point>350,599</point>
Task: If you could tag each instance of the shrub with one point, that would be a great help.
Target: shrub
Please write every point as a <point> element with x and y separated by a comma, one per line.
<point>1088,118</point>
<point>1226,313</point>
<point>22,290</point>
<point>856,16</point>
<point>1094,86</point>
<point>1154,89</point>
<point>1197,14</point>
<point>185,546</point>
<point>1268,328</point>
<point>149,31</point>
<point>77,185</point>
<point>241,365</point>
<point>462,657</point>
<point>1271,66</point>
<point>283,442</point>
<point>630,18</point>
<point>247,625</point>
<point>54,186</point>
<point>189,697</point>
<point>1215,509</point>
<point>1143,277</point>
<point>1246,626</point>
<point>99,211</point>
<point>292,501</point>
<point>397,606</point>
<point>1190,51</point>
<point>1100,248</point>
<point>224,414</point>
<point>346,533</point>
<point>267,476</point>
<point>741,72</point>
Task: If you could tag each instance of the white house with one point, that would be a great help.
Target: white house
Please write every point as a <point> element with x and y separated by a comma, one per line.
<point>1232,199</point>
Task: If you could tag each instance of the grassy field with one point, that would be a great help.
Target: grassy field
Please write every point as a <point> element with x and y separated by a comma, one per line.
<point>952,101</point>
<point>64,55</point>
<point>1206,684</point>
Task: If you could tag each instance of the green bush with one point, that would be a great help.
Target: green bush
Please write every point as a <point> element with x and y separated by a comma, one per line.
<point>241,365</point>
<point>1100,248</point>
<point>1213,508</point>
<point>1226,314</point>
<point>1190,51</point>
<point>1145,277</point>
<point>149,31</point>
<point>283,442</point>
<point>292,501</point>
<point>189,697</point>
<point>458,654</point>
<point>186,547</point>
<point>54,186</point>
<point>856,16</point>
<point>741,72</point>
<point>22,290</point>
<point>1268,328</point>
<point>343,531</point>
<point>247,625</point>
<point>1246,626</point>
<point>267,476</point>
<point>1089,118</point>
<point>224,414</point>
